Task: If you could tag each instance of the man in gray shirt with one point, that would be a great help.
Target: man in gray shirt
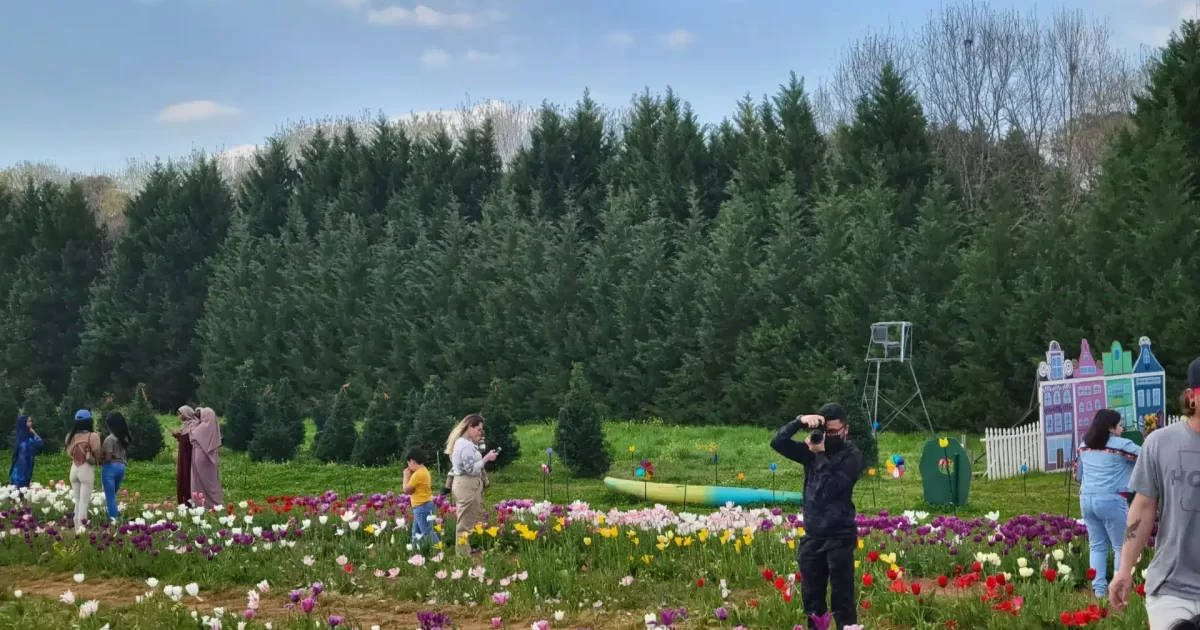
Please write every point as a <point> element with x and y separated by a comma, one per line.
<point>1167,482</point>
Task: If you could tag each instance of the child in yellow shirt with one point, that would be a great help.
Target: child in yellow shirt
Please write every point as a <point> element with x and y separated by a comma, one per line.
<point>419,487</point>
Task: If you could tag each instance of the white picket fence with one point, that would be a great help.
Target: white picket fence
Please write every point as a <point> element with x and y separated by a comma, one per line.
<point>1008,449</point>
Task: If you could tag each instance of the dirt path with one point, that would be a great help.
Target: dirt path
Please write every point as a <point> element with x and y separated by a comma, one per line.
<point>366,610</point>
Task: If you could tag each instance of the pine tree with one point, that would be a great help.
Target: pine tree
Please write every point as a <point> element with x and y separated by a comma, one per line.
<point>477,169</point>
<point>146,438</point>
<point>266,192</point>
<point>37,405</point>
<point>379,443</point>
<point>280,430</point>
<point>141,321</point>
<point>242,416</point>
<point>75,399</point>
<point>579,434</point>
<point>800,143</point>
<point>432,424</point>
<point>888,135</point>
<point>41,315</point>
<point>335,442</point>
<point>501,427</point>
<point>10,408</point>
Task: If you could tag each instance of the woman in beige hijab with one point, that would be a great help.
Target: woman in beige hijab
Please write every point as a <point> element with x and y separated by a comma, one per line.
<point>206,446</point>
<point>183,460</point>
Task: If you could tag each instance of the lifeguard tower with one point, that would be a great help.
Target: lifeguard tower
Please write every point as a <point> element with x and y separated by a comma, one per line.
<point>892,344</point>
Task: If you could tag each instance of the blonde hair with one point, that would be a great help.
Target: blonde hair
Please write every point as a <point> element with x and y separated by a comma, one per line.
<point>461,428</point>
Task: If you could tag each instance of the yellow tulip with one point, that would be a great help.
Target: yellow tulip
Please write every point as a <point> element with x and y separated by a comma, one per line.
<point>637,541</point>
<point>632,449</point>
<point>943,442</point>
<point>370,529</point>
<point>493,531</point>
<point>660,546</point>
<point>870,472</point>
<point>791,543</point>
<point>702,535</point>
<point>438,528</point>
<point>800,532</point>
<point>857,564</point>
<point>647,558</point>
<point>478,528</point>
<point>678,541</point>
<point>600,519</point>
<point>558,527</point>
<point>687,541</point>
<point>741,476</point>
<point>860,543</point>
<point>737,546</point>
<point>587,541</point>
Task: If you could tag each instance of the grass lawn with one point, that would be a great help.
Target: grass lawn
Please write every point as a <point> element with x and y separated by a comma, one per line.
<point>673,450</point>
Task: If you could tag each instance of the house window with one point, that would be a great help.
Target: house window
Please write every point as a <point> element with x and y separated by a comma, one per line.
<point>1057,397</point>
<point>1087,370</point>
<point>1141,398</point>
<point>1067,397</point>
<point>1067,421</point>
<point>1156,393</point>
<point>1056,367</point>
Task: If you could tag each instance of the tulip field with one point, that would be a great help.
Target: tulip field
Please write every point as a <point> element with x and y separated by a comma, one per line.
<point>348,560</point>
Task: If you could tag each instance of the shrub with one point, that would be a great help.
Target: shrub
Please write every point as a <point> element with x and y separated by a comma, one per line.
<point>146,438</point>
<point>500,429</point>
<point>242,415</point>
<point>335,442</point>
<point>280,431</point>
<point>579,434</point>
<point>379,442</point>
<point>431,425</point>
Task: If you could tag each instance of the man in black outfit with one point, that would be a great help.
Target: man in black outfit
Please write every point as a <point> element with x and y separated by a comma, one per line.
<point>826,552</point>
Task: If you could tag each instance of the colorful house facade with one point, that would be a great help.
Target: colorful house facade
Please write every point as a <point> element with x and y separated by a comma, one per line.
<point>1071,393</point>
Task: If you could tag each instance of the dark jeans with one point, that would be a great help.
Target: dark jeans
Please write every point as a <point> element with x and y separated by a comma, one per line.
<point>829,562</point>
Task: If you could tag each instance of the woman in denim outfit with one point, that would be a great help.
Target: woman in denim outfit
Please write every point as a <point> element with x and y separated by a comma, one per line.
<point>1103,466</point>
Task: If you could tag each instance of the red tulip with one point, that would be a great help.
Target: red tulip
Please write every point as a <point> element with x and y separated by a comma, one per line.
<point>768,575</point>
<point>700,582</point>
<point>976,567</point>
<point>872,556</point>
<point>866,605</point>
<point>867,580</point>
<point>943,581</point>
<point>916,588</point>
<point>1050,575</point>
<point>1091,574</point>
<point>892,574</point>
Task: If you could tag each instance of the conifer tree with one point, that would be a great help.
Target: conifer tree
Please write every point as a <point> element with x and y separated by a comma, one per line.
<point>242,416</point>
<point>888,134</point>
<point>335,442</point>
<point>10,407</point>
<point>141,321</point>
<point>579,434</point>
<point>76,398</point>
<point>146,437</point>
<point>501,426</point>
<point>432,425</point>
<point>800,143</point>
<point>38,405</point>
<point>266,192</point>
<point>280,431</point>
<point>379,442</point>
<point>41,316</point>
<point>477,169</point>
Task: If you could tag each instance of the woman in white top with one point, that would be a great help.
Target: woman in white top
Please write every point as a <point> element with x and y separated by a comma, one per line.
<point>83,445</point>
<point>467,468</point>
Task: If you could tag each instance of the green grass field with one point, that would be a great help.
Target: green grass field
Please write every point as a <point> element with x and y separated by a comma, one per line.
<point>673,450</point>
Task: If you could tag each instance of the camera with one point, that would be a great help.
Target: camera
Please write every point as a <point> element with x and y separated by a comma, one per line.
<point>817,436</point>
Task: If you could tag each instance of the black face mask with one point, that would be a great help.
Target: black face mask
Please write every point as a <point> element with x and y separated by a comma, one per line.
<point>833,443</point>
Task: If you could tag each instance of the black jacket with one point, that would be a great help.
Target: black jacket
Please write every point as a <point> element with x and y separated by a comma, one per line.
<point>828,484</point>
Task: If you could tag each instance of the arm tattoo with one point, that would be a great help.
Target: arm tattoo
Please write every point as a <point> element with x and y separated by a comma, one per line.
<point>1131,531</point>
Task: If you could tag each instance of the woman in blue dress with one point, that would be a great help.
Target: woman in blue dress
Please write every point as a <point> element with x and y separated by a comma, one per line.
<point>27,446</point>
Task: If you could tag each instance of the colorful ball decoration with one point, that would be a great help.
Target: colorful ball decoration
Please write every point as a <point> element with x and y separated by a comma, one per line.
<point>895,466</point>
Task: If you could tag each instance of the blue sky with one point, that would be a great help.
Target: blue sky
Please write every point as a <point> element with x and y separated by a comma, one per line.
<point>89,83</point>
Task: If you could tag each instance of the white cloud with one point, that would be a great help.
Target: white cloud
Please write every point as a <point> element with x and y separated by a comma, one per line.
<point>427,17</point>
<point>435,58</point>
<point>621,39</point>
<point>678,38</point>
<point>479,58</point>
<point>195,111</point>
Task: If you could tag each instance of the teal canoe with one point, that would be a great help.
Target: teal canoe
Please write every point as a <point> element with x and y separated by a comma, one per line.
<point>701,495</point>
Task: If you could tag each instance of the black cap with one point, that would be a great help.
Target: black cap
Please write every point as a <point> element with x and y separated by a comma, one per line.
<point>1193,380</point>
<point>832,411</point>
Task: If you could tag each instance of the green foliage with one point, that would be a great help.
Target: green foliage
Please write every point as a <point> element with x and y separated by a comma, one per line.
<point>335,442</point>
<point>379,443</point>
<point>140,324</point>
<point>500,426</point>
<point>579,434</point>
<point>74,400</point>
<point>37,405</point>
<point>242,415</point>
<point>10,408</point>
<point>432,425</point>
<point>146,438</point>
<point>280,430</point>
<point>41,314</point>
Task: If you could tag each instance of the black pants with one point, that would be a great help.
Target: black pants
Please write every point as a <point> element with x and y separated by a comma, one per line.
<point>829,562</point>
